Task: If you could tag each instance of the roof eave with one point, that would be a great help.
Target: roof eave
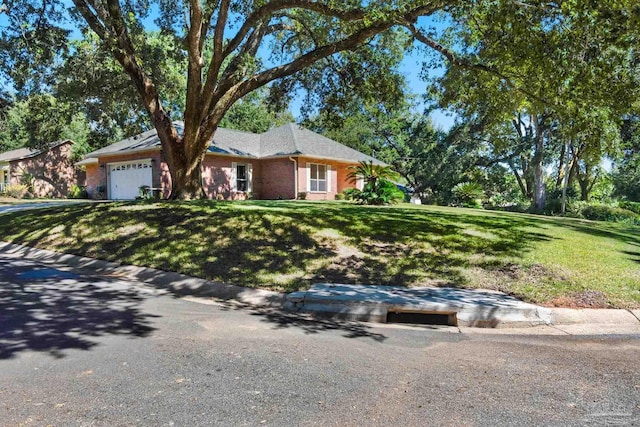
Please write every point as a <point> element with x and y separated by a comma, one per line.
<point>247,156</point>
<point>87,162</point>
<point>123,152</point>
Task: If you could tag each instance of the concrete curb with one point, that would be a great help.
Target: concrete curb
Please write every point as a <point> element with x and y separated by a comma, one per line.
<point>548,321</point>
<point>176,283</point>
<point>453,306</point>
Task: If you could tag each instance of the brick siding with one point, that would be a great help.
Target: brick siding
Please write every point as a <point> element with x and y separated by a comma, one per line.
<point>277,179</point>
<point>53,172</point>
<point>272,178</point>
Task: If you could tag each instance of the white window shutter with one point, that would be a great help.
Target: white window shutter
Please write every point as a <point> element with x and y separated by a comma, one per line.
<point>249,177</point>
<point>328,178</point>
<point>308,178</point>
<point>234,176</point>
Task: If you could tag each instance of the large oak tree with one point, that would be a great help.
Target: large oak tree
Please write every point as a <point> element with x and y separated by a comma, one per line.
<point>223,41</point>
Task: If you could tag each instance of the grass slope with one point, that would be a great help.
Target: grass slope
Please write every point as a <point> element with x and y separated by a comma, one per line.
<point>290,245</point>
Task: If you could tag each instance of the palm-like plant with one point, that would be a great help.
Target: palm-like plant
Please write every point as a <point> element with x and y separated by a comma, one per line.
<point>378,188</point>
<point>371,174</point>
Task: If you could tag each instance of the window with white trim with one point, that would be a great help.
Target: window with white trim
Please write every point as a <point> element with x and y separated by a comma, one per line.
<point>241,177</point>
<point>317,177</point>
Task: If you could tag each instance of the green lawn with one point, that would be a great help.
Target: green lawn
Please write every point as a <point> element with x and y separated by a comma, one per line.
<point>290,245</point>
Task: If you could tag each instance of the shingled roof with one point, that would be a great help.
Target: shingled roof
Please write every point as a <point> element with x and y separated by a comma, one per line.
<point>27,153</point>
<point>283,141</point>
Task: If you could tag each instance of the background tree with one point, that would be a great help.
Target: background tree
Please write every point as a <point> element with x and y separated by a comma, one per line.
<point>253,113</point>
<point>90,80</point>
<point>549,62</point>
<point>626,173</point>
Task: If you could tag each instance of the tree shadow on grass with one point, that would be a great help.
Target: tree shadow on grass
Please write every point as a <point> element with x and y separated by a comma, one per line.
<point>627,235</point>
<point>49,310</point>
<point>259,244</point>
<point>281,244</point>
<point>634,256</point>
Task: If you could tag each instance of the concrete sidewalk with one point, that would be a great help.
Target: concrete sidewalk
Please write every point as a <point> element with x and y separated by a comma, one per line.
<point>477,311</point>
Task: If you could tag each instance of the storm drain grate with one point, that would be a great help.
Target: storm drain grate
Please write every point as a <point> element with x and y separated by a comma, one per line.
<point>422,317</point>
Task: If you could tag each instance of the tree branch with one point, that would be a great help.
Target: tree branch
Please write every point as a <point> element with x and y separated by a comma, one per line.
<point>461,62</point>
<point>274,6</point>
<point>122,50</point>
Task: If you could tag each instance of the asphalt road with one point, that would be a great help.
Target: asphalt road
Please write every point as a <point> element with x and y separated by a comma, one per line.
<point>79,350</point>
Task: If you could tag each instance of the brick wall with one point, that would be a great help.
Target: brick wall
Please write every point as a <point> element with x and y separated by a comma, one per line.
<point>217,173</point>
<point>276,180</point>
<point>93,179</point>
<point>53,172</point>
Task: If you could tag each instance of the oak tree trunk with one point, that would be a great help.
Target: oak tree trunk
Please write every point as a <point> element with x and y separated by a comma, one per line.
<point>185,166</point>
<point>186,182</point>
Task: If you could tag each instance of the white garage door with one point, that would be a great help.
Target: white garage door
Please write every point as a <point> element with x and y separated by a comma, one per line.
<point>125,179</point>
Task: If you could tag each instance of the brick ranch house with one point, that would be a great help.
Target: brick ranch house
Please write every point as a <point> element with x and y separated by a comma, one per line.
<point>277,164</point>
<point>50,171</point>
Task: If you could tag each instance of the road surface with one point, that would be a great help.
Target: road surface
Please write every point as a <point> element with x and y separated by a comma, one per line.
<point>78,349</point>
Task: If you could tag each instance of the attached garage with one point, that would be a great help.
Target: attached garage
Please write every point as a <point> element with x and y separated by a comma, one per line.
<point>126,178</point>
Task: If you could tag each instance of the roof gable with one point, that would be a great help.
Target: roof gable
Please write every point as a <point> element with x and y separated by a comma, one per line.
<point>27,153</point>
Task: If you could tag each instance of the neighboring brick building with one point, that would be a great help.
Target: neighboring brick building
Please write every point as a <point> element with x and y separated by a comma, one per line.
<point>278,164</point>
<point>50,172</point>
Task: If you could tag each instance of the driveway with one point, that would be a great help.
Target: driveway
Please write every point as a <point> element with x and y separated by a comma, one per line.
<point>37,205</point>
<point>80,349</point>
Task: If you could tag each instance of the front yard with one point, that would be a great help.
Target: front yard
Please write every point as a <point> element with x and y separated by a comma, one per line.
<point>290,245</point>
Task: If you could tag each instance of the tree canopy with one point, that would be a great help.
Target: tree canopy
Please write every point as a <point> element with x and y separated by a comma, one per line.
<point>553,62</point>
<point>220,42</point>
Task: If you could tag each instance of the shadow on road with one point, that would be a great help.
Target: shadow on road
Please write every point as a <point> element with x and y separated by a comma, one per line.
<point>49,310</point>
<point>310,325</point>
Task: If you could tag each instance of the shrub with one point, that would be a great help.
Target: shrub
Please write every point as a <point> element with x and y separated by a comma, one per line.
<point>302,195</point>
<point>28,179</point>
<point>611,214</point>
<point>351,193</point>
<point>17,191</point>
<point>78,192</point>
<point>144,192</point>
<point>630,206</point>
<point>468,194</point>
<point>339,196</point>
<point>553,203</point>
<point>382,193</point>
<point>575,208</point>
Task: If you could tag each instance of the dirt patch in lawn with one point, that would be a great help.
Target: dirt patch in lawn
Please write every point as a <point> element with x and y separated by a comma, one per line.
<point>582,299</point>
